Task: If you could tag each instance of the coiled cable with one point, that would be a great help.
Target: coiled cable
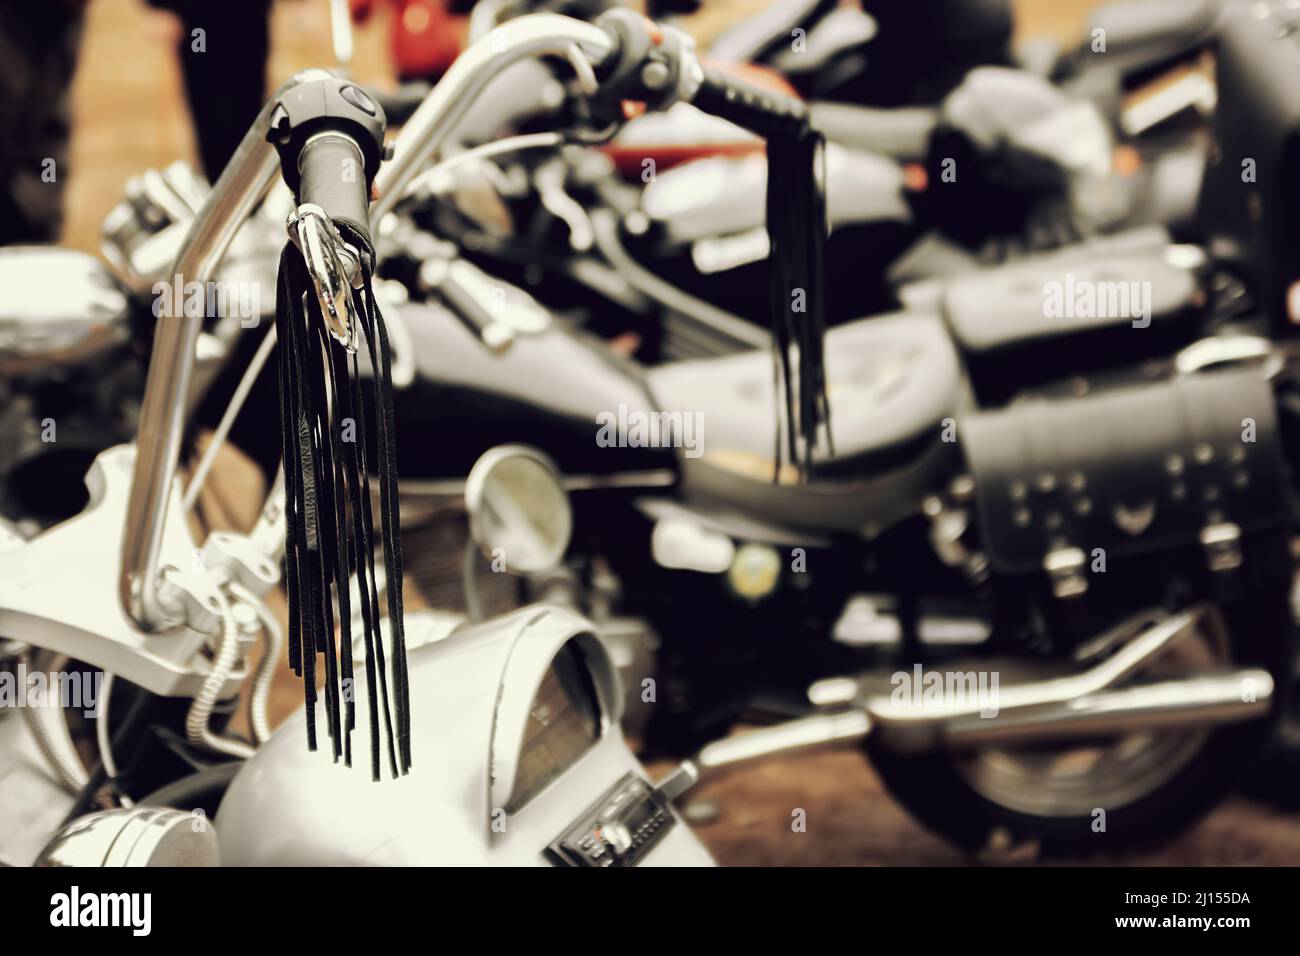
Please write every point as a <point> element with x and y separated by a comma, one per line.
<point>272,646</point>
<point>199,716</point>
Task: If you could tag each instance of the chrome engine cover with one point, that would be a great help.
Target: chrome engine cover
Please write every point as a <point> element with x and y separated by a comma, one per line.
<point>58,307</point>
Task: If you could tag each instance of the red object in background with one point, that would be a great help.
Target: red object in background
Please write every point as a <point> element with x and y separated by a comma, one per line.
<point>426,38</point>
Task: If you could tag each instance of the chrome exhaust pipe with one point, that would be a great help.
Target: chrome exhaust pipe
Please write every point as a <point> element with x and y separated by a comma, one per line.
<point>1189,702</point>
<point>804,735</point>
<point>1075,707</point>
<point>1079,705</point>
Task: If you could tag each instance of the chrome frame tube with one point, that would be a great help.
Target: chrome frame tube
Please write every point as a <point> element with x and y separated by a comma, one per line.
<point>242,185</point>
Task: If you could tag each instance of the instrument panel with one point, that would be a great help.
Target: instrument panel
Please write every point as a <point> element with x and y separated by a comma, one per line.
<point>563,724</point>
<point>618,829</point>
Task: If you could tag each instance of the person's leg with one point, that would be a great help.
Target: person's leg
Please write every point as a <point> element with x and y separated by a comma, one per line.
<point>925,47</point>
<point>223,50</point>
<point>38,47</point>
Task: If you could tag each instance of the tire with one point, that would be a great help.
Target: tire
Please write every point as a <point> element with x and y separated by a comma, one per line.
<point>936,790</point>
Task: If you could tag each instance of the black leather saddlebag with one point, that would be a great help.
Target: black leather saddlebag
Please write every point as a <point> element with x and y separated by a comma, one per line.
<point>1134,470</point>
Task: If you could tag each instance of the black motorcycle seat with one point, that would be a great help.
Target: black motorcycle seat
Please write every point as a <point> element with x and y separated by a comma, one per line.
<point>894,379</point>
<point>1061,297</point>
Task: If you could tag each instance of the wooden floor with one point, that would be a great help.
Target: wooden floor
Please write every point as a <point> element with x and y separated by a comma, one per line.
<point>130,115</point>
<point>851,821</point>
<point>129,111</point>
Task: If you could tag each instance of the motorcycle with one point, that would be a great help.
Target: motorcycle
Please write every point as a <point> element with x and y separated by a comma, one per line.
<point>172,621</point>
<point>932,527</point>
<point>1002,163</point>
<point>757,594</point>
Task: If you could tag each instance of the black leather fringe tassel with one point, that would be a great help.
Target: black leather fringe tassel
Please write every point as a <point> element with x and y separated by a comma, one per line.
<point>329,525</point>
<point>796,228</point>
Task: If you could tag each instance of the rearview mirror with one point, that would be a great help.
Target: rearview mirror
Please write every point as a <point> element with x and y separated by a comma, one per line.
<point>518,509</point>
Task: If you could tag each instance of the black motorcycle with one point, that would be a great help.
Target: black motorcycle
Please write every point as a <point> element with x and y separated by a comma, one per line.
<point>1044,561</point>
<point>1023,484</point>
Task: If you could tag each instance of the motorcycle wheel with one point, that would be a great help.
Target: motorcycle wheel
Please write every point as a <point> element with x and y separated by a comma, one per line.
<point>1150,785</point>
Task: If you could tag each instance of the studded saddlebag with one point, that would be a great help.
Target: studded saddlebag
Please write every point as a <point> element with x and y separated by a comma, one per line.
<point>1133,470</point>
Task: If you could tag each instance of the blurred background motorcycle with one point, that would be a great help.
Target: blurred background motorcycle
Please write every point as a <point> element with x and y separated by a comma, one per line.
<point>160,203</point>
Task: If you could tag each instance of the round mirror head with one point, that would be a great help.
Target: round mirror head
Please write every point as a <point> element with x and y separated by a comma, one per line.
<point>518,509</point>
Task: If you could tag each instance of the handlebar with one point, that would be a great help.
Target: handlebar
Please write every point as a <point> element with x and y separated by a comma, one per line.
<point>242,185</point>
<point>426,132</point>
<point>756,108</point>
<point>330,137</point>
<point>322,164</point>
<point>622,56</point>
<point>313,169</point>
